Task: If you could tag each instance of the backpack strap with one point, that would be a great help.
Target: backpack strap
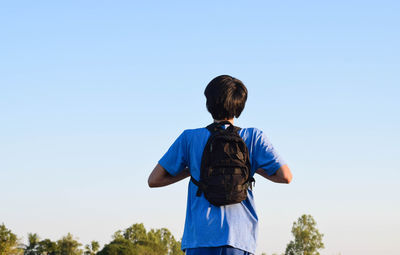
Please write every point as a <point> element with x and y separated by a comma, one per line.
<point>201,187</point>
<point>213,127</point>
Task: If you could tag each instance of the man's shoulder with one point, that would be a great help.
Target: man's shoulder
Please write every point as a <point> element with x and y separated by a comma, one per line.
<point>250,132</point>
<point>194,131</point>
<point>190,133</point>
<point>251,129</point>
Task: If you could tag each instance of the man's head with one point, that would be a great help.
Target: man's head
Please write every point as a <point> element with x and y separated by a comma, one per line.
<point>226,97</point>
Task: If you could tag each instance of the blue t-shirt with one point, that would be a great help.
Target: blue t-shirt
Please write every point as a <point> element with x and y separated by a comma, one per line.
<point>207,225</point>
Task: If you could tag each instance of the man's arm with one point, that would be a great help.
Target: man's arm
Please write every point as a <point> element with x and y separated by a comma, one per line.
<point>282,175</point>
<point>160,177</point>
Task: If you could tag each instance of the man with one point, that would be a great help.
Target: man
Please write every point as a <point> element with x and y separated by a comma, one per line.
<point>228,229</point>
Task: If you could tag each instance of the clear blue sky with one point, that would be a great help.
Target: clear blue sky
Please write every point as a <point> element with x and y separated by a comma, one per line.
<point>92,93</point>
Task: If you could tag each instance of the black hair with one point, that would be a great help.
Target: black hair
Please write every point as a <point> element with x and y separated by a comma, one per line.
<point>226,97</point>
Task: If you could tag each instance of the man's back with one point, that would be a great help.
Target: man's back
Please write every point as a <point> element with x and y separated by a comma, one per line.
<point>208,225</point>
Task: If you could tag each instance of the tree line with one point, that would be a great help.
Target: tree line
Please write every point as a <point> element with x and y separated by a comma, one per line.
<point>136,240</point>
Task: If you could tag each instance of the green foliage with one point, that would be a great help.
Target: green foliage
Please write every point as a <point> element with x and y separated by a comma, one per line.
<point>92,248</point>
<point>307,239</point>
<point>136,240</point>
<point>67,245</point>
<point>33,245</point>
<point>136,234</point>
<point>47,247</point>
<point>119,247</point>
<point>8,242</point>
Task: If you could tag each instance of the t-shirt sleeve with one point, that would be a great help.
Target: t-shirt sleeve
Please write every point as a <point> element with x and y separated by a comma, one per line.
<point>266,157</point>
<point>175,159</point>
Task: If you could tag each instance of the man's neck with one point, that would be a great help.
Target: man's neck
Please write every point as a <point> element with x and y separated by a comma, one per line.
<point>230,120</point>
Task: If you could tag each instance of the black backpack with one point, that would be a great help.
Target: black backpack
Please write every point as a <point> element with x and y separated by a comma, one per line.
<point>225,166</point>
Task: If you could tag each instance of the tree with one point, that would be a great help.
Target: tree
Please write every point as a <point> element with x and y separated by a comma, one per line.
<point>136,234</point>
<point>47,247</point>
<point>307,239</point>
<point>162,241</point>
<point>119,246</point>
<point>136,240</point>
<point>9,244</point>
<point>67,245</point>
<point>33,245</point>
<point>92,248</point>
